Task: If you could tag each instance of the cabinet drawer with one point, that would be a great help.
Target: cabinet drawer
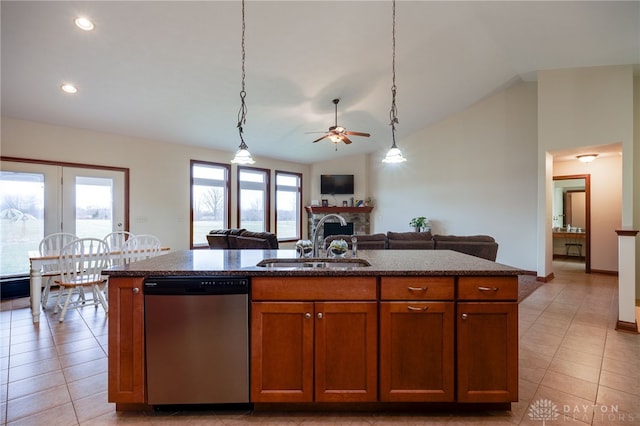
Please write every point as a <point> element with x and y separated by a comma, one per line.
<point>417,288</point>
<point>313,288</point>
<point>488,288</point>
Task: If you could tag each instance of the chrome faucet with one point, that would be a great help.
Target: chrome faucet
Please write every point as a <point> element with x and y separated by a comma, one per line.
<point>343,222</point>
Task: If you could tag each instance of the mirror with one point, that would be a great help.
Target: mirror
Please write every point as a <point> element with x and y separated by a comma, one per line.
<point>569,204</point>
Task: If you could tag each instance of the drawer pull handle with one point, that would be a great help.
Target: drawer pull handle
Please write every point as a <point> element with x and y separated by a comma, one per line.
<point>488,288</point>
<point>418,288</point>
<point>420,309</point>
<point>307,315</point>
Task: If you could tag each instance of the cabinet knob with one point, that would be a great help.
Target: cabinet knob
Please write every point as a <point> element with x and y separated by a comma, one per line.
<point>319,315</point>
<point>136,290</point>
<point>464,316</point>
<point>307,315</point>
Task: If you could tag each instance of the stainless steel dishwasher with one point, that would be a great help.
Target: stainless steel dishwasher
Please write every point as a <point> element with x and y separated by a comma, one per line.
<point>197,340</point>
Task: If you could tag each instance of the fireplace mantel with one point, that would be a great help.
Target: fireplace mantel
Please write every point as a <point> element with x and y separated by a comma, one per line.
<point>338,209</point>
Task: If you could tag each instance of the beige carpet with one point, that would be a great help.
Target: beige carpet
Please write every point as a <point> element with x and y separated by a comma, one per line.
<point>527,284</point>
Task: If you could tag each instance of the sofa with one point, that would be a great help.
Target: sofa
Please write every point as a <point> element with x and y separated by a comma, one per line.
<point>240,238</point>
<point>482,246</point>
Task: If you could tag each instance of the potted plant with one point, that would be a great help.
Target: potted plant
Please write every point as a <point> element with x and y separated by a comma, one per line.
<point>420,223</point>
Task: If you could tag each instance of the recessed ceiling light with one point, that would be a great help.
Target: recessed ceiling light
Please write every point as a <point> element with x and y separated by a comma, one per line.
<point>84,23</point>
<point>69,88</point>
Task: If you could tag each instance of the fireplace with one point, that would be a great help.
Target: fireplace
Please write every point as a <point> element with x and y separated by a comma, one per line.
<point>334,228</point>
<point>358,220</point>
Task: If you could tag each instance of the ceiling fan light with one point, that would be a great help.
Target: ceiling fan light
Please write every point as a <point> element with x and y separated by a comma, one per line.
<point>587,158</point>
<point>243,156</point>
<point>394,155</point>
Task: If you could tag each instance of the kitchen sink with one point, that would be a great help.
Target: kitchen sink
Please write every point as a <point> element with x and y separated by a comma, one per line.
<point>313,263</point>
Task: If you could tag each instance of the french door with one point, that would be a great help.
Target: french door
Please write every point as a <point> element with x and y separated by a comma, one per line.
<point>38,199</point>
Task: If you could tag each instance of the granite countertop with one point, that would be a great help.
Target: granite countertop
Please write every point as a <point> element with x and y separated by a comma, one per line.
<point>243,262</point>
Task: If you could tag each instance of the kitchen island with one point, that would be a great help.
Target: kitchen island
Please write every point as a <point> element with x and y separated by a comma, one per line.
<point>415,327</point>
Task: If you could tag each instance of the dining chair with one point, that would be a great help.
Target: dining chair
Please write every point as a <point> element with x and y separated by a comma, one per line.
<point>51,245</point>
<point>115,241</point>
<point>81,263</point>
<point>140,247</point>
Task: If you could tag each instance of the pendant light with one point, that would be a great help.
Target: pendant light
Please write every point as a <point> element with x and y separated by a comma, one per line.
<point>394,155</point>
<point>243,156</point>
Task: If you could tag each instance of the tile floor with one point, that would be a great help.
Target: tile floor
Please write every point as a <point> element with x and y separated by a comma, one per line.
<point>574,368</point>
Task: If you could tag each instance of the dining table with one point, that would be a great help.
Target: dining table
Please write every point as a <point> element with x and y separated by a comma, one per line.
<point>37,262</point>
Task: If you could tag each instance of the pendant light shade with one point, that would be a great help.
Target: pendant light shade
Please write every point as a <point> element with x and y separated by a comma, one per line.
<point>243,156</point>
<point>394,155</point>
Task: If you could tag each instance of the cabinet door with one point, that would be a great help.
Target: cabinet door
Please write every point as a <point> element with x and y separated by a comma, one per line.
<point>416,351</point>
<point>282,351</point>
<point>487,352</point>
<point>126,341</point>
<point>346,351</point>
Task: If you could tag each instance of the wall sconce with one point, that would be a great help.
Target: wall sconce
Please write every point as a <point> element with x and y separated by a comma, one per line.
<point>587,158</point>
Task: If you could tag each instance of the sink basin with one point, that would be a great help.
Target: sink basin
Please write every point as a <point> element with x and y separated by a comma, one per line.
<point>313,263</point>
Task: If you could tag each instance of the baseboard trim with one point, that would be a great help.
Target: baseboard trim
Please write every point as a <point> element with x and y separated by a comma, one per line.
<point>604,272</point>
<point>545,279</point>
<point>627,327</point>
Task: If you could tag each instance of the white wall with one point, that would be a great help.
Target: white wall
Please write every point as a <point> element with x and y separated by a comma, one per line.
<point>606,206</point>
<point>159,171</point>
<point>472,173</point>
<point>356,165</point>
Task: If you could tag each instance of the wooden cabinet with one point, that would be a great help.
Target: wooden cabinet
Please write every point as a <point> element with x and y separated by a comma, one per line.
<point>126,341</point>
<point>417,339</point>
<point>314,339</point>
<point>487,339</point>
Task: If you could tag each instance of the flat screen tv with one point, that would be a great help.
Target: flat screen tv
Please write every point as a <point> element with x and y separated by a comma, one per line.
<point>336,184</point>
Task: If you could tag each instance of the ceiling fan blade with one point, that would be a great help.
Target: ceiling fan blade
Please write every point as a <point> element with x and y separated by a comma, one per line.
<point>319,139</point>
<point>309,133</point>
<point>366,135</point>
<point>345,139</point>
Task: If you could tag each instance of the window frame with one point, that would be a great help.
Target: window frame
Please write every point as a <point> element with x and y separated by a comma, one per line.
<point>267,195</point>
<point>227,189</point>
<point>299,192</point>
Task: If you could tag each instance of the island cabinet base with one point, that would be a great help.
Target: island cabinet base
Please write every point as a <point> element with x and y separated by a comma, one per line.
<point>356,343</point>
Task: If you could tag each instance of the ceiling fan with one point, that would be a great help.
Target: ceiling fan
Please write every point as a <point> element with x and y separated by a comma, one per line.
<point>338,133</point>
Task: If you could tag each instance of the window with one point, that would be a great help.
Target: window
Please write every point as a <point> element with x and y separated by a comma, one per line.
<point>253,199</point>
<point>209,200</point>
<point>288,205</point>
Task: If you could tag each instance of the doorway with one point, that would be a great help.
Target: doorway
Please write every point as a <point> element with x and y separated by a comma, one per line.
<point>571,218</point>
<point>40,198</point>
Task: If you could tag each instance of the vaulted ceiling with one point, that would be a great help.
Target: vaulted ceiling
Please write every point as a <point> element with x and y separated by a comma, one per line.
<point>171,71</point>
